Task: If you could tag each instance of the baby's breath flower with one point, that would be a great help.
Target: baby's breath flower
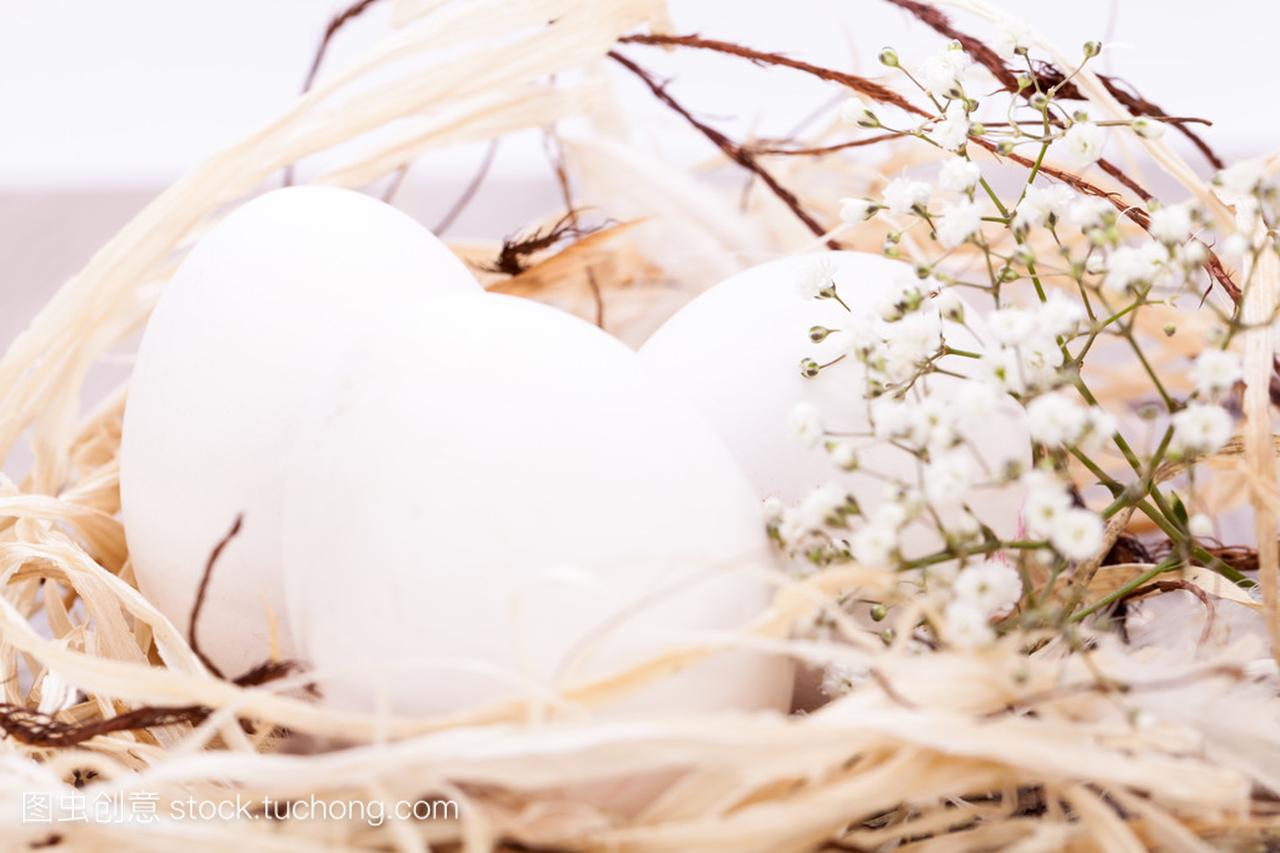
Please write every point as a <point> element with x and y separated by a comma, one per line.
<point>1234,247</point>
<point>1171,224</point>
<point>1216,371</point>
<point>1013,37</point>
<point>873,545</point>
<point>805,422</point>
<point>958,223</point>
<point>856,111</point>
<point>1147,128</point>
<point>1081,146</point>
<point>1200,525</point>
<point>1059,315</point>
<point>958,174</point>
<point>1041,203</point>
<point>1046,502</point>
<point>844,455</point>
<point>1130,266</point>
<point>817,280</point>
<point>948,479</point>
<point>854,210</point>
<point>1243,178</point>
<point>1087,213</point>
<point>967,627</point>
<point>943,73</point>
<point>1077,534</point>
<point>840,678</point>
<point>990,586</point>
<point>1053,419</point>
<point>1201,428</point>
<point>1012,326</point>
<point>953,130</point>
<point>949,304</point>
<point>903,194</point>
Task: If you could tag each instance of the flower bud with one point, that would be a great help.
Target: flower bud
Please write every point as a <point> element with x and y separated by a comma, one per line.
<point>818,334</point>
<point>1092,49</point>
<point>1169,330</point>
<point>809,368</point>
<point>889,57</point>
<point>1146,128</point>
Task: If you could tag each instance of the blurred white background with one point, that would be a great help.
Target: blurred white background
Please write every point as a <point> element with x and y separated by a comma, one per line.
<point>104,104</point>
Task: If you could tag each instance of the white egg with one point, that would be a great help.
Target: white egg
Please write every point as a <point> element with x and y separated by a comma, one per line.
<point>255,316</point>
<point>498,502</point>
<point>735,352</point>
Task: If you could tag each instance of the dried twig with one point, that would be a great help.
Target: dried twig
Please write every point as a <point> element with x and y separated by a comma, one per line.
<point>734,152</point>
<point>203,588</point>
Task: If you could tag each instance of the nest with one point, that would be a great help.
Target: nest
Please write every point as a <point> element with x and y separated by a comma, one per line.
<point>1093,745</point>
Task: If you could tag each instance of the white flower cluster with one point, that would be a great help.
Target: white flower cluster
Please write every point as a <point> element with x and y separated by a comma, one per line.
<point>1066,266</point>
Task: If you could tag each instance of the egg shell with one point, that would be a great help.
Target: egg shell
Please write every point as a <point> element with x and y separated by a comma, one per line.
<point>499,502</point>
<point>254,317</point>
<point>735,350</point>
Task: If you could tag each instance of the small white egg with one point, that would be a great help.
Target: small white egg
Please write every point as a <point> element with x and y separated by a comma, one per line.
<point>497,501</point>
<point>735,353</point>
<point>255,316</point>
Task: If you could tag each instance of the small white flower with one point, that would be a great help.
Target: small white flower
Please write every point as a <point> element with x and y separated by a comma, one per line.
<point>990,586</point>
<point>1012,326</point>
<point>1234,247</point>
<point>949,304</point>
<point>873,545</point>
<point>772,509</point>
<point>1216,370</point>
<point>958,174</point>
<point>1101,427</point>
<point>1242,178</point>
<point>1129,266</point>
<point>944,72</point>
<point>1171,224</point>
<point>815,279</point>
<point>958,223</point>
<point>856,111</point>
<point>845,455</point>
<point>967,627</point>
<point>1046,502</point>
<point>805,422</point>
<point>1200,525</point>
<point>1059,315</point>
<point>855,210</point>
<point>1147,128</point>
<point>1002,367</point>
<point>839,678</point>
<point>1012,35</point>
<point>1201,428</point>
<point>914,338</point>
<point>952,132</point>
<point>1040,203</point>
<point>903,194</point>
<point>1081,146</point>
<point>948,479</point>
<point>1089,212</point>
<point>1078,534</point>
<point>1053,419</point>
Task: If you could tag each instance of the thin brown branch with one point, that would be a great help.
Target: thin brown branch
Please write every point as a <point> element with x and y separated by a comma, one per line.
<point>824,149</point>
<point>198,605</point>
<point>336,23</point>
<point>555,154</point>
<point>734,152</point>
<point>862,85</point>
<point>470,192</point>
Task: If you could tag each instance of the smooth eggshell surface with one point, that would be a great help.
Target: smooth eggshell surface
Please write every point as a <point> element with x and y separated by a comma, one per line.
<point>498,502</point>
<point>735,350</point>
<point>255,317</point>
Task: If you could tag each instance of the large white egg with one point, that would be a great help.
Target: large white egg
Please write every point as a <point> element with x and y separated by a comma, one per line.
<point>497,502</point>
<point>255,316</point>
<point>735,353</point>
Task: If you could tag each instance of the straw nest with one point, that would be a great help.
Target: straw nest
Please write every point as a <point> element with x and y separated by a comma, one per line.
<point>1101,745</point>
